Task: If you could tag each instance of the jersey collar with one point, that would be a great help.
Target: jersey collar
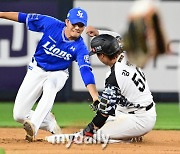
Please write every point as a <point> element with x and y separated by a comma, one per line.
<point>64,38</point>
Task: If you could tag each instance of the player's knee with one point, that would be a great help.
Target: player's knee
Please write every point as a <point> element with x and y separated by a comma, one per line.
<point>18,116</point>
<point>50,87</point>
<point>54,85</point>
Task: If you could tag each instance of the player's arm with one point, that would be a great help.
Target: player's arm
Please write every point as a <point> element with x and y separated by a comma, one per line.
<point>93,91</point>
<point>14,16</point>
<point>86,71</point>
<point>9,15</point>
<point>97,122</point>
<point>34,22</point>
<point>102,113</point>
<point>114,34</point>
<point>89,81</point>
<point>92,31</point>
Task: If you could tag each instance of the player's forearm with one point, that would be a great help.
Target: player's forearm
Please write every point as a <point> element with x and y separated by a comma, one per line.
<point>89,81</point>
<point>97,122</point>
<point>108,32</point>
<point>93,91</point>
<point>9,15</point>
<point>91,31</point>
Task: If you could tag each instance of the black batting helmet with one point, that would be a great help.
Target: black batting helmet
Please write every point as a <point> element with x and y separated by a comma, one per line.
<point>105,44</point>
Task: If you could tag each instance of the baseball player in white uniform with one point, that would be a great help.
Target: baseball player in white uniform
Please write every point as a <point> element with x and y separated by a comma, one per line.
<point>126,110</point>
<point>129,101</point>
<point>60,45</point>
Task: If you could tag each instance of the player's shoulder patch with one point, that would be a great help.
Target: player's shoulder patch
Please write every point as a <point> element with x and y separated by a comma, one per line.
<point>86,59</point>
<point>120,58</point>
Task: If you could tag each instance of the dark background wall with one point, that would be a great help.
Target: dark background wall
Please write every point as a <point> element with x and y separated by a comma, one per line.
<point>12,76</point>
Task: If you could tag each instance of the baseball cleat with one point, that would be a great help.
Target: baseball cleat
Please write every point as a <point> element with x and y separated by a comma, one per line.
<point>30,132</point>
<point>56,129</point>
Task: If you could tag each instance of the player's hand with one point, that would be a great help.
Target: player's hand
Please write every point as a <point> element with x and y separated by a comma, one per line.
<point>94,105</point>
<point>103,104</point>
<point>91,31</point>
<point>100,104</point>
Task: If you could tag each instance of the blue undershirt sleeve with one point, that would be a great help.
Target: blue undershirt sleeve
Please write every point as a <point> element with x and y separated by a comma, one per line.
<point>22,17</point>
<point>87,75</point>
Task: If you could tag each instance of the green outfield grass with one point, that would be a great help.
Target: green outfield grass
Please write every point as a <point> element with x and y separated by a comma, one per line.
<point>79,114</point>
<point>2,151</point>
<point>168,116</point>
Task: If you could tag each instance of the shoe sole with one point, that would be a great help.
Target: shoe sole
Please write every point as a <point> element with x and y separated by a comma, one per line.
<point>29,131</point>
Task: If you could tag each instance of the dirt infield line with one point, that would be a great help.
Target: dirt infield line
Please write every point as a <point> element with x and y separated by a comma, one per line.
<point>155,142</point>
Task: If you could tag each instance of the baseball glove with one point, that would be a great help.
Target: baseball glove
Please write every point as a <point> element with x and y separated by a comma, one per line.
<point>94,105</point>
<point>145,37</point>
<point>100,104</point>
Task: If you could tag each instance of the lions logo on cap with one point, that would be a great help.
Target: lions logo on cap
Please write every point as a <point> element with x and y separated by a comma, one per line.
<point>80,14</point>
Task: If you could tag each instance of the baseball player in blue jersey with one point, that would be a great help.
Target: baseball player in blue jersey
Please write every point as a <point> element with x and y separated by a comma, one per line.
<point>60,45</point>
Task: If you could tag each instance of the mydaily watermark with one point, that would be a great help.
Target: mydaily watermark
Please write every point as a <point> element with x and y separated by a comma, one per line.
<point>78,138</point>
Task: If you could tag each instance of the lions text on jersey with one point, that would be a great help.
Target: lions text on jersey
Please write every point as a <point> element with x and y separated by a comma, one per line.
<point>54,51</point>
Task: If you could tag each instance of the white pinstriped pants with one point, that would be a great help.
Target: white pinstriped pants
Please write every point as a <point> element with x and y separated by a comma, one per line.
<point>124,126</point>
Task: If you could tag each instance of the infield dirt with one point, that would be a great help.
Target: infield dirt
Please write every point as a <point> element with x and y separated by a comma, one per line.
<point>155,142</point>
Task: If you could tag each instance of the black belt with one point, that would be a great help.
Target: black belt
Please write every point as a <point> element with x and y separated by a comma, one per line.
<point>146,108</point>
<point>149,106</point>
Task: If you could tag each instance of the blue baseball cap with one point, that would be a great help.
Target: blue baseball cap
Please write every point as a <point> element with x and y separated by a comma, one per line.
<point>76,15</point>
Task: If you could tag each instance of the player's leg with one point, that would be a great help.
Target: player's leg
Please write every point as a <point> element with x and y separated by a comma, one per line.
<point>54,83</point>
<point>127,126</point>
<point>49,123</point>
<point>29,92</point>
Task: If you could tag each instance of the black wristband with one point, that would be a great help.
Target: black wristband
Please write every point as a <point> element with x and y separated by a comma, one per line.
<point>99,120</point>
